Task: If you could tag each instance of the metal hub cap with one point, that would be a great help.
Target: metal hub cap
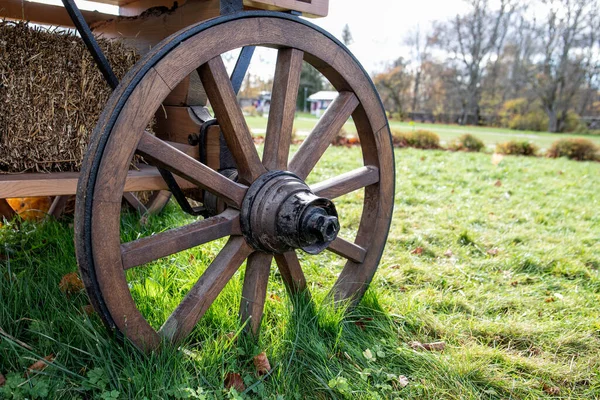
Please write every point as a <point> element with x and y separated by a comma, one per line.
<point>280,213</point>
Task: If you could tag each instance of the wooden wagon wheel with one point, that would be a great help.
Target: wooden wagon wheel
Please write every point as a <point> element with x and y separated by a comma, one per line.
<point>264,199</point>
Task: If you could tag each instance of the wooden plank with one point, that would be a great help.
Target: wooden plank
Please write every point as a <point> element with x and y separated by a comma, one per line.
<point>175,124</point>
<point>6,210</point>
<point>147,30</point>
<point>65,183</point>
<point>47,14</point>
<point>308,8</point>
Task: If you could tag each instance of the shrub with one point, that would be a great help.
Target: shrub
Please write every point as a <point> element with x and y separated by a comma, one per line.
<point>575,149</point>
<point>532,121</point>
<point>517,148</point>
<point>467,142</point>
<point>420,139</point>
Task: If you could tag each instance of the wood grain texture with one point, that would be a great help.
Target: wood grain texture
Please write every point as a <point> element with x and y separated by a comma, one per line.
<point>318,141</point>
<point>231,120</point>
<point>310,8</point>
<point>175,124</point>
<point>291,272</point>
<point>182,321</point>
<point>65,183</point>
<point>59,203</point>
<point>283,109</point>
<point>347,182</point>
<point>254,291</point>
<point>174,240</point>
<point>146,31</point>
<point>165,156</point>
<point>135,203</point>
<point>348,250</point>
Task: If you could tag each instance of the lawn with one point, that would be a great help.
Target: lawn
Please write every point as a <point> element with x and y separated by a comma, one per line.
<point>490,136</point>
<point>500,263</point>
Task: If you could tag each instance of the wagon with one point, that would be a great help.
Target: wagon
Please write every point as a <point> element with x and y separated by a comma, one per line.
<point>207,154</point>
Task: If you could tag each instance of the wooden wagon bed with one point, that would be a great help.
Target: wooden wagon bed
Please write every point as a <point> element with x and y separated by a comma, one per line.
<point>140,24</point>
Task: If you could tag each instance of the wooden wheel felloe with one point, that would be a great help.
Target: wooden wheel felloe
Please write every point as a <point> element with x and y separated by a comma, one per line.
<point>120,134</point>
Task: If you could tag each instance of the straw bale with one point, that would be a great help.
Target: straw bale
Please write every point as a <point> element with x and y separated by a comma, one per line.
<point>51,95</point>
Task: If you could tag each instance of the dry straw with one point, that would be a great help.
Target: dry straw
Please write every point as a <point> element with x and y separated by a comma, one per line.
<point>51,95</point>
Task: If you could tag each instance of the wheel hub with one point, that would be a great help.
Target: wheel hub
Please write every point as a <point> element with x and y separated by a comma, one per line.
<point>281,213</point>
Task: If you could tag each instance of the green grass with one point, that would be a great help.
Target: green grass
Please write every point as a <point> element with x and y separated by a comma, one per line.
<point>508,278</point>
<point>489,135</point>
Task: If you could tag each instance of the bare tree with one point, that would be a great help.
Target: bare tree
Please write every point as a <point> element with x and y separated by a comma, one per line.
<point>559,75</point>
<point>420,54</point>
<point>472,39</point>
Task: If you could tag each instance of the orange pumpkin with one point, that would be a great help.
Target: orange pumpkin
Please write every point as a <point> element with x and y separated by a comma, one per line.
<point>31,208</point>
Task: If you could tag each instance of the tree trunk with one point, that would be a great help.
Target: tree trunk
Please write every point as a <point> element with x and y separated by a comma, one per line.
<point>552,121</point>
<point>416,91</point>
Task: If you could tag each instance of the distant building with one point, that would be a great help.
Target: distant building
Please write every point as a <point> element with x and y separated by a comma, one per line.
<point>320,101</point>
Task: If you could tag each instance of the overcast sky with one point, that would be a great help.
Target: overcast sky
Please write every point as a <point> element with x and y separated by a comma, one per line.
<point>379,28</point>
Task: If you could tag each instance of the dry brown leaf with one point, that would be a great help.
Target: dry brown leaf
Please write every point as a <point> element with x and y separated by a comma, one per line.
<point>552,390</point>
<point>275,297</point>
<point>435,346</point>
<point>418,251</point>
<point>361,322</point>
<point>2,380</point>
<point>448,253</point>
<point>261,363</point>
<point>234,380</point>
<point>71,283</point>
<point>88,309</point>
<point>403,381</point>
<point>498,183</point>
<point>550,299</point>
<point>40,365</point>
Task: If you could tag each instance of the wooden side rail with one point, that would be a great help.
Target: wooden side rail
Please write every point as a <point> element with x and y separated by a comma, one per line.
<point>65,183</point>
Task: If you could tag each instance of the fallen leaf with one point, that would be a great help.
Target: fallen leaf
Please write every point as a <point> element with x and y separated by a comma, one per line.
<point>498,183</point>
<point>261,363</point>
<point>70,284</point>
<point>234,380</point>
<point>435,346</point>
<point>2,380</point>
<point>418,251</point>
<point>403,381</point>
<point>448,253</point>
<point>40,365</point>
<point>275,297</point>
<point>550,299</point>
<point>88,310</point>
<point>551,390</point>
<point>493,252</point>
<point>497,158</point>
<point>361,323</point>
<point>514,283</point>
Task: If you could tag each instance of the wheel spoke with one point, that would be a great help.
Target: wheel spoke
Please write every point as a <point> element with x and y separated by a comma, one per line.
<point>283,109</point>
<point>255,290</point>
<point>347,183</point>
<point>237,134</point>
<point>168,157</point>
<point>182,321</point>
<point>135,203</point>
<point>291,272</point>
<point>319,139</point>
<point>147,249</point>
<point>346,249</point>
